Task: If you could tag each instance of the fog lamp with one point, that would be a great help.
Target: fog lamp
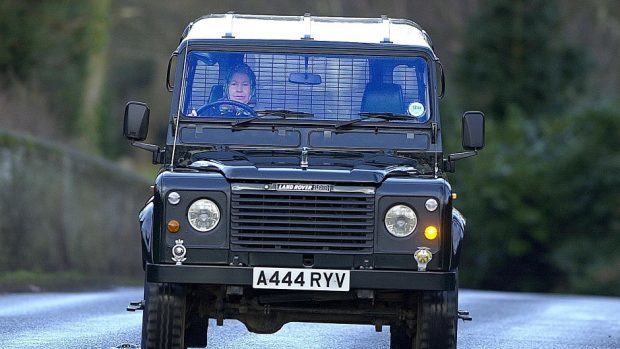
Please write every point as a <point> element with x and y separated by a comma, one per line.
<point>430,232</point>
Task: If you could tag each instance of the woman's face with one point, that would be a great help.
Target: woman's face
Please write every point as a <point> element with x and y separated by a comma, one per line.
<point>239,88</point>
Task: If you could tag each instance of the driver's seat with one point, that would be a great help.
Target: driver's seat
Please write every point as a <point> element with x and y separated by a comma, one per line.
<point>217,92</point>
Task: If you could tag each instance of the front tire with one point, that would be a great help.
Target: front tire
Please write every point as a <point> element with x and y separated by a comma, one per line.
<point>435,326</point>
<point>163,318</point>
<point>437,320</point>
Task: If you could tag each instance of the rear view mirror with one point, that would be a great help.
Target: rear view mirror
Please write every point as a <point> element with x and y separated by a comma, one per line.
<point>136,125</point>
<point>473,130</point>
<point>305,78</point>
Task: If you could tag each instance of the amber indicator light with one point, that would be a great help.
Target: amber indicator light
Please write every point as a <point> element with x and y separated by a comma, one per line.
<point>430,232</point>
<point>174,226</point>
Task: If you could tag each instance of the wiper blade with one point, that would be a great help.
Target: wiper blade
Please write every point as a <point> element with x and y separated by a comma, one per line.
<point>385,115</point>
<point>282,113</point>
<point>371,115</point>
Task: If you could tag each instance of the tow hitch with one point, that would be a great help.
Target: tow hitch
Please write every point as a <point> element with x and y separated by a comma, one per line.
<point>464,315</point>
<point>133,306</point>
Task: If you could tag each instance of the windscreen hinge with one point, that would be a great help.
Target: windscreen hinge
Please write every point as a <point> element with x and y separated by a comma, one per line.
<point>174,122</point>
<point>434,129</point>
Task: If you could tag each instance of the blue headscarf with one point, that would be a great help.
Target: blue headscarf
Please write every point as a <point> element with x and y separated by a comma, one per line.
<point>243,69</point>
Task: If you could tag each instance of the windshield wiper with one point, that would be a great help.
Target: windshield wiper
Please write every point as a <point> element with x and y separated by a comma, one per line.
<point>282,113</point>
<point>368,115</point>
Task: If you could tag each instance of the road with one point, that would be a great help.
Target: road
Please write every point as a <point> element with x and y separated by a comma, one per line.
<point>501,321</point>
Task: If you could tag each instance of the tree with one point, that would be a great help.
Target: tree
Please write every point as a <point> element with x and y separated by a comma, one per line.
<point>541,200</point>
<point>514,55</point>
<point>586,218</point>
<point>46,46</point>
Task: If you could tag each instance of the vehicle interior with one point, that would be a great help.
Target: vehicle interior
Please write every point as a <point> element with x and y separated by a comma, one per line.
<point>329,87</point>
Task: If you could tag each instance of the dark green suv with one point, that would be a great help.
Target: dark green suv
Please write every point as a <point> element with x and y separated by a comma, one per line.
<point>302,180</point>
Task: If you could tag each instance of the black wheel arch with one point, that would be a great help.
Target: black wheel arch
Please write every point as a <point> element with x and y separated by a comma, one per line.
<point>146,232</point>
<point>458,233</point>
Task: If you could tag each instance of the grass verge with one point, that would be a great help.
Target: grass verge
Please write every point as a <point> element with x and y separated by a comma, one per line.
<point>34,281</point>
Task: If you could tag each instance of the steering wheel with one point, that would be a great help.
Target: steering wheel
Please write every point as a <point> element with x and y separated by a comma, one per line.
<point>213,107</point>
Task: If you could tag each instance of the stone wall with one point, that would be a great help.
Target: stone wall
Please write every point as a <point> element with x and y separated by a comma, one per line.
<point>62,210</point>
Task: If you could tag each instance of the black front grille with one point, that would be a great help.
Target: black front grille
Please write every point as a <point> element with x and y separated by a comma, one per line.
<point>264,220</point>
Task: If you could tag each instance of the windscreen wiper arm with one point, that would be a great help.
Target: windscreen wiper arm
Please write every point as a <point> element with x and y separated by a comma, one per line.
<point>368,115</point>
<point>282,113</point>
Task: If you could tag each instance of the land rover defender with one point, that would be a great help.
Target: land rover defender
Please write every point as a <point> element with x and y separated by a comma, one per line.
<point>315,192</point>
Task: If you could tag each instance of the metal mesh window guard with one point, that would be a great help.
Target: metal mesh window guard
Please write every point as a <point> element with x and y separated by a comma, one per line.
<point>344,81</point>
<point>205,77</point>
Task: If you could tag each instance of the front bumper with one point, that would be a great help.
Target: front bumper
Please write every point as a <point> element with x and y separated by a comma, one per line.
<point>242,276</point>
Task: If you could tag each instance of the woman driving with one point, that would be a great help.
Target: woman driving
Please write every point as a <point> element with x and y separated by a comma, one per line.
<point>241,85</point>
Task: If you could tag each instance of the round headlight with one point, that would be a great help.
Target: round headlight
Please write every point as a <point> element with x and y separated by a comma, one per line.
<point>431,205</point>
<point>203,215</point>
<point>400,220</point>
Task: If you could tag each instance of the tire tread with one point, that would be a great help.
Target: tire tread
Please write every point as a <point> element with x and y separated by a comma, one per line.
<point>163,322</point>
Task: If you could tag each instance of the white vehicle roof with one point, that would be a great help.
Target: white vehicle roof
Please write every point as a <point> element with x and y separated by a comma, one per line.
<point>336,29</point>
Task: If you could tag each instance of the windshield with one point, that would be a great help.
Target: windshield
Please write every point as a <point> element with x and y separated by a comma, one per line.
<point>325,87</point>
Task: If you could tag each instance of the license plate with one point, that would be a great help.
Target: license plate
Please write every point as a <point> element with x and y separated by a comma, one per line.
<point>301,279</point>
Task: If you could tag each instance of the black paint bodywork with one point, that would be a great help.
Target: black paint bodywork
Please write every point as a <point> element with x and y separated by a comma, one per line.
<point>213,248</point>
<point>213,265</point>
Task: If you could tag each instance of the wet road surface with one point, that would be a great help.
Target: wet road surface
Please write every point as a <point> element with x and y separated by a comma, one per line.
<point>501,321</point>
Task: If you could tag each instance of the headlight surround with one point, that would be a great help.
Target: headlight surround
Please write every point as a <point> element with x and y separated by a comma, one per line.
<point>400,220</point>
<point>203,215</point>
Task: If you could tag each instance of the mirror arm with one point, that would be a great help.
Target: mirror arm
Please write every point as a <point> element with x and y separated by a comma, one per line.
<point>158,154</point>
<point>149,147</point>
<point>463,155</point>
<point>449,164</point>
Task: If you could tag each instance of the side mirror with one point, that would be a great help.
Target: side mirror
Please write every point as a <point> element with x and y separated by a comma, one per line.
<point>473,130</point>
<point>473,139</point>
<point>136,125</point>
